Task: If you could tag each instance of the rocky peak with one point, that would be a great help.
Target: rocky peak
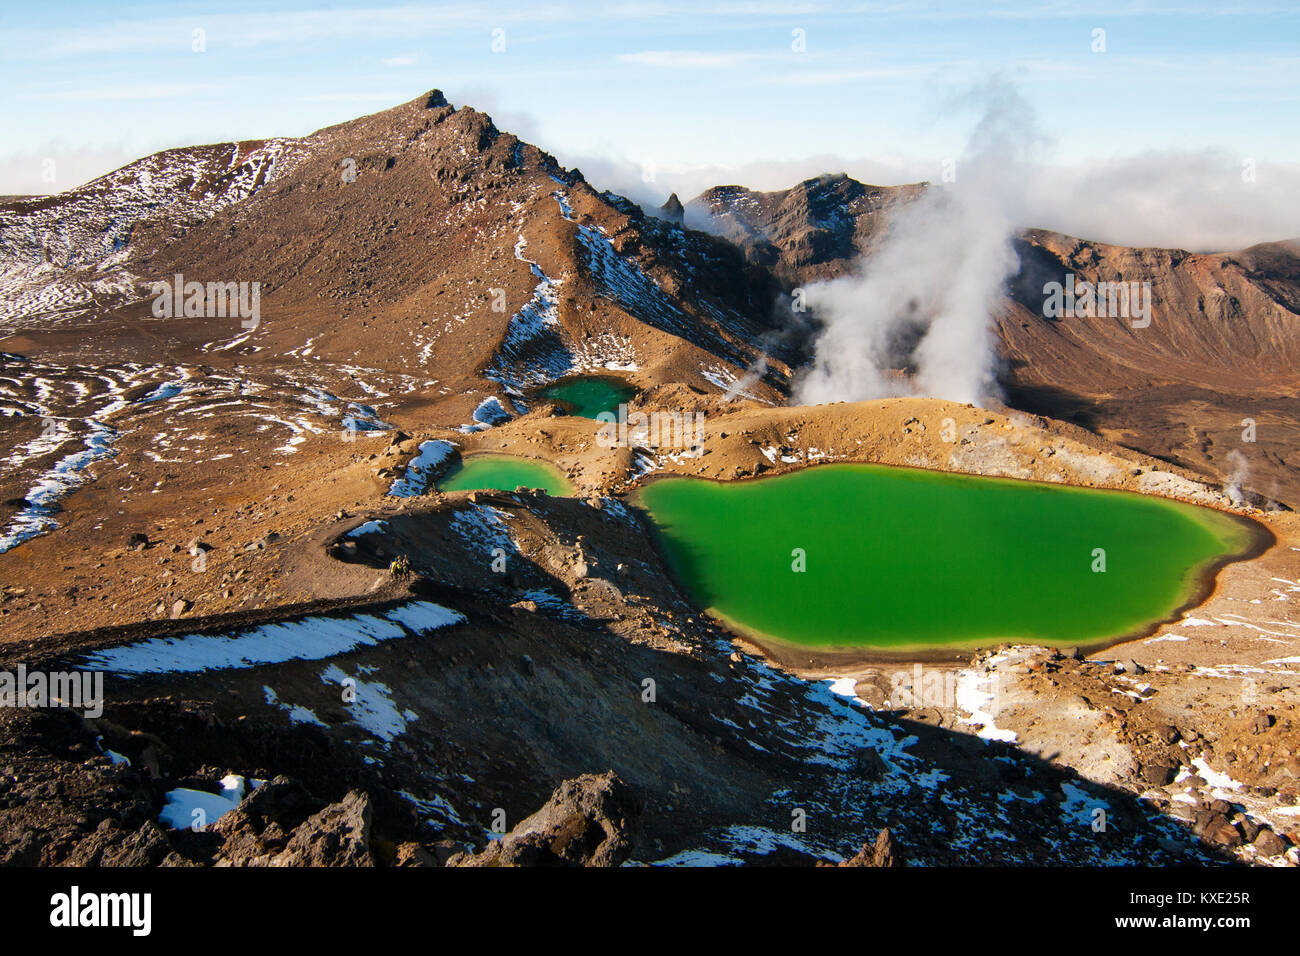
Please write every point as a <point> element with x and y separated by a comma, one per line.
<point>672,210</point>
<point>812,230</point>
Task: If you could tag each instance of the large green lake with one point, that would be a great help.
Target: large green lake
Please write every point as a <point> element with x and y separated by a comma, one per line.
<point>488,472</point>
<point>900,559</point>
<point>590,395</point>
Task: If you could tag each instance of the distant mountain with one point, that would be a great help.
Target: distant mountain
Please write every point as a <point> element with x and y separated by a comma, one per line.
<point>817,229</point>
<point>1224,338</point>
<point>65,255</point>
<point>421,239</point>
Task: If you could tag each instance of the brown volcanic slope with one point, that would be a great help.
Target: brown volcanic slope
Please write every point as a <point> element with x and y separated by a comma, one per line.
<point>69,254</point>
<point>444,209</point>
<point>399,262</point>
<point>376,312</point>
<point>1223,345</point>
<point>377,307</point>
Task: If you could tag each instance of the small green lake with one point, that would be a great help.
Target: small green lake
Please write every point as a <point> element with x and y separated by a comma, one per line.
<point>488,472</point>
<point>901,559</point>
<point>589,395</point>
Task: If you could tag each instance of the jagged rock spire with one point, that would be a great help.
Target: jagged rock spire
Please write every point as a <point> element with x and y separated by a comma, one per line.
<point>672,210</point>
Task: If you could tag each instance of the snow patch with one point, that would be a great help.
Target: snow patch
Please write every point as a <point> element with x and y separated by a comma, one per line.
<point>308,639</point>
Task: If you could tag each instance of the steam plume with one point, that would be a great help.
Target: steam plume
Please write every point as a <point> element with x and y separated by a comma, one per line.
<point>923,301</point>
<point>1235,485</point>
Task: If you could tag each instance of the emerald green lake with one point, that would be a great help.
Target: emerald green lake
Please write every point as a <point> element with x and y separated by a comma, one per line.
<point>898,558</point>
<point>503,473</point>
<point>588,396</point>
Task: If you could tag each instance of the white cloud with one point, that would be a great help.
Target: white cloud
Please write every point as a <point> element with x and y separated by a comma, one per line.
<point>1192,200</point>
<point>23,173</point>
<point>1180,199</point>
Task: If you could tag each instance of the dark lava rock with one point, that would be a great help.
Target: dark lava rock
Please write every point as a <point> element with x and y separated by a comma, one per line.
<point>1157,774</point>
<point>110,845</point>
<point>1249,828</point>
<point>261,825</point>
<point>1166,732</point>
<point>1269,844</point>
<point>589,821</point>
<point>337,836</point>
<point>20,848</point>
<point>1218,830</point>
<point>869,763</point>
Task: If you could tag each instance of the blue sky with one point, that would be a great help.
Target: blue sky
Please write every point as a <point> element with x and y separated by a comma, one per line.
<point>670,84</point>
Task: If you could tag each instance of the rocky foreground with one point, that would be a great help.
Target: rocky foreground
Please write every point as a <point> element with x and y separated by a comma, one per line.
<point>471,695</point>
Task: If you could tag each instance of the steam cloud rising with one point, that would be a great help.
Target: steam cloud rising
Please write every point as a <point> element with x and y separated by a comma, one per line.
<point>923,300</point>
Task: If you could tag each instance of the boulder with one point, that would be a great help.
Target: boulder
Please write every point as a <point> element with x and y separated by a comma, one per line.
<point>589,821</point>
<point>109,844</point>
<point>338,835</point>
<point>261,825</point>
<point>413,855</point>
<point>870,764</point>
<point>1268,844</point>
<point>1157,773</point>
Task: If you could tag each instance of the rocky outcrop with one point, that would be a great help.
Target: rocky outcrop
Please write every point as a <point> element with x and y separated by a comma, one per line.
<point>337,836</point>
<point>260,827</point>
<point>672,210</point>
<point>261,831</point>
<point>112,845</point>
<point>884,852</point>
<point>589,821</point>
